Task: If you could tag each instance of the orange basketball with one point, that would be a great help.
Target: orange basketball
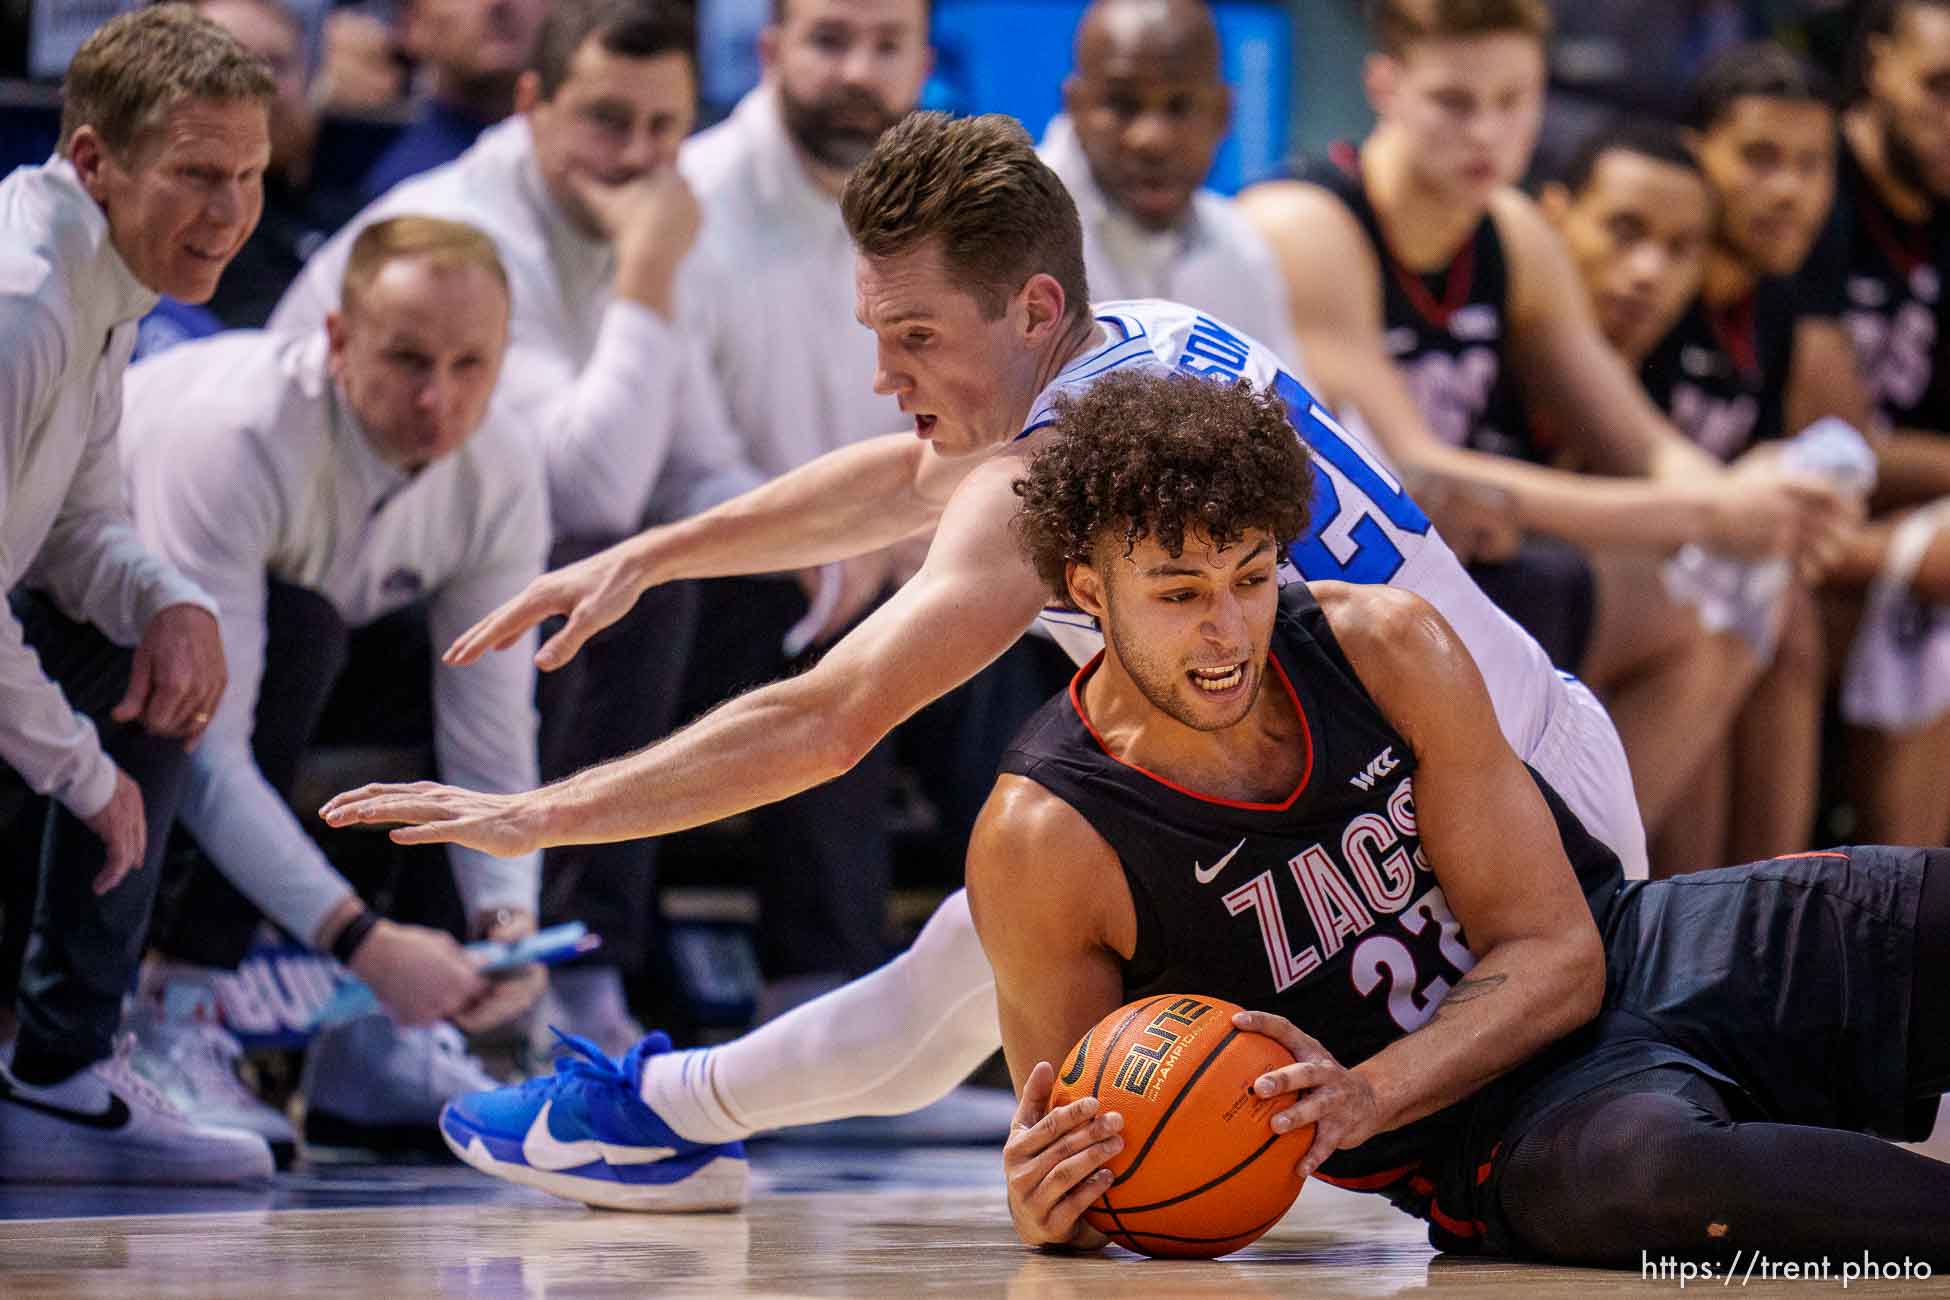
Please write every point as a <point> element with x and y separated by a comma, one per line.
<point>1202,1173</point>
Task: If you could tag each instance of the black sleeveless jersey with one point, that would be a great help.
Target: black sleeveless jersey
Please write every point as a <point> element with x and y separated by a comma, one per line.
<point>1721,374</point>
<point>1320,907</point>
<point>1445,330</point>
<point>1883,276</point>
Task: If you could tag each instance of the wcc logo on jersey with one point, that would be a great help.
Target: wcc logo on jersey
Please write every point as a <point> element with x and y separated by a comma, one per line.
<point>1159,1044</point>
<point>1378,766</point>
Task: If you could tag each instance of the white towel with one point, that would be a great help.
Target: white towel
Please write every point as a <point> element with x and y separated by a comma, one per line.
<point>1898,673</point>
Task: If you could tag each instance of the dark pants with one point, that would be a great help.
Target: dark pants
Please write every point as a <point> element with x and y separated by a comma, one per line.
<point>323,683</point>
<point>829,866</point>
<point>622,692</point>
<point>74,954</point>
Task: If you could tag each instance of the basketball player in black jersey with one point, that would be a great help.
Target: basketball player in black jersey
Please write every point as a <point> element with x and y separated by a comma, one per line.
<point>1433,299</point>
<point>1636,217</point>
<point>1298,800</point>
<point>1887,248</point>
<point>1745,361</point>
<point>1771,356</point>
<point>1755,345</point>
<point>1881,264</point>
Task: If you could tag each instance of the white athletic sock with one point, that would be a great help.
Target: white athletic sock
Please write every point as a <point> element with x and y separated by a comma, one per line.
<point>888,1043</point>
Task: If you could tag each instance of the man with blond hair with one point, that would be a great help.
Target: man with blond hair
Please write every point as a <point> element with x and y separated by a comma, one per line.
<point>332,491</point>
<point>157,183</point>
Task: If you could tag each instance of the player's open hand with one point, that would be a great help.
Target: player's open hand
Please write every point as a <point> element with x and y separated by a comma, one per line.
<point>427,812</point>
<point>592,593</point>
<point>1339,1103</point>
<point>1054,1163</point>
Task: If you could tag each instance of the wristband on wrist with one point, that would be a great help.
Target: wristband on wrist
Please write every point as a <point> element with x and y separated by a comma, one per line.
<point>346,946</point>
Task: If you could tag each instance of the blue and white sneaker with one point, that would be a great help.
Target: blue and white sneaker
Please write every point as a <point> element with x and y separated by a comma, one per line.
<point>585,1134</point>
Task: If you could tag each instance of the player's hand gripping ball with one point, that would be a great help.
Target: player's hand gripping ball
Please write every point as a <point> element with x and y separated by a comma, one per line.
<point>1202,1172</point>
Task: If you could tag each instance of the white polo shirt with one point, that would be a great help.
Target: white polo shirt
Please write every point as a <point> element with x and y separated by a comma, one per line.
<point>243,463</point>
<point>769,292</point>
<point>68,308</point>
<point>1213,261</point>
<point>622,405</point>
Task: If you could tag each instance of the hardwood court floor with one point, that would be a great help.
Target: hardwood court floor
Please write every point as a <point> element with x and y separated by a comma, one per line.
<point>824,1221</point>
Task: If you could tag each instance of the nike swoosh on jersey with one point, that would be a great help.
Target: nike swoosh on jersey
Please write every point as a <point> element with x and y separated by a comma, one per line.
<point>114,1117</point>
<point>543,1150</point>
<point>1206,875</point>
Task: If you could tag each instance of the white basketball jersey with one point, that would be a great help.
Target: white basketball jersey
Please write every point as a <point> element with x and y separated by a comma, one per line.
<point>1363,526</point>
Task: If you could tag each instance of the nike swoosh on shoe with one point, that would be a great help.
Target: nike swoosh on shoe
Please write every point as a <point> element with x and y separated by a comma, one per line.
<point>110,1119</point>
<point>543,1150</point>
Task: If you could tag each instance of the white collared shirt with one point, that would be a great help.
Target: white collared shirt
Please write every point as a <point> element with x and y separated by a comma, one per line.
<point>68,308</point>
<point>1214,261</point>
<point>244,463</point>
<point>771,294</point>
<point>622,405</point>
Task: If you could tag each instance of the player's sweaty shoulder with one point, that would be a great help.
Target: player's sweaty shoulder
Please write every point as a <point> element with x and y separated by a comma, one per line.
<point>1028,844</point>
<point>1384,631</point>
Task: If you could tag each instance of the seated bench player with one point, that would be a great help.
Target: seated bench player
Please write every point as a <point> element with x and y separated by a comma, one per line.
<point>1491,1028</point>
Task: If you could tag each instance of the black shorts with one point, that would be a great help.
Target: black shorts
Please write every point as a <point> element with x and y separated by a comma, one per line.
<point>1548,588</point>
<point>1786,983</point>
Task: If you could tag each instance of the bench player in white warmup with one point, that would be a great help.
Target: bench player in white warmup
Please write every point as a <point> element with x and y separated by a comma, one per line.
<point>970,273</point>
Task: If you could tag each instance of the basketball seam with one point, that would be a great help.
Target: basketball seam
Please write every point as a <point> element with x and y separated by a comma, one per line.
<point>1172,1109</point>
<point>1184,1196</point>
<point>1165,1236</point>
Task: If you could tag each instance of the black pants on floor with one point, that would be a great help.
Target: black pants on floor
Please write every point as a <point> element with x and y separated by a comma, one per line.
<point>67,955</point>
<point>1671,1163</point>
<point>323,682</point>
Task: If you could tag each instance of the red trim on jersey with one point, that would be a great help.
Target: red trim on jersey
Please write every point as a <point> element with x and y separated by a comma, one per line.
<point>1368,1182</point>
<point>1905,243</point>
<point>1306,733</point>
<point>1733,330</point>
<point>1455,290</point>
<point>1461,268</point>
<point>1457,1226</point>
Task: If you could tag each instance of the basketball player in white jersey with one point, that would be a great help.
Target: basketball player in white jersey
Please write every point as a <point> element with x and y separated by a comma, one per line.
<point>970,273</point>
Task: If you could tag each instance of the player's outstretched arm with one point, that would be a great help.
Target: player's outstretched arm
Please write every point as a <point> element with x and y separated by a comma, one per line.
<point>972,598</point>
<point>1538,967</point>
<point>851,501</point>
<point>1053,911</point>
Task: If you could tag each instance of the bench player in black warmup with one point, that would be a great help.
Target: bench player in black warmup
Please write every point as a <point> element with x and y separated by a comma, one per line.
<point>1743,358</point>
<point>1431,297</point>
<point>1297,799</point>
<point>1880,265</point>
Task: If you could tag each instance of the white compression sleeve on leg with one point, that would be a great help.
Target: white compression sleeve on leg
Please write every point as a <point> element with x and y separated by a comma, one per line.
<point>887,1043</point>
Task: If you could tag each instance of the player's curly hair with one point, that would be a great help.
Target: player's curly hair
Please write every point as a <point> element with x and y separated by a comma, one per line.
<point>1159,455</point>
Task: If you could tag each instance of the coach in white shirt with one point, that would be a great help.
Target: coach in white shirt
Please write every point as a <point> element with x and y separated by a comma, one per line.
<point>768,291</point>
<point>158,182</point>
<point>1146,111</point>
<point>328,482</point>
<point>580,193</point>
